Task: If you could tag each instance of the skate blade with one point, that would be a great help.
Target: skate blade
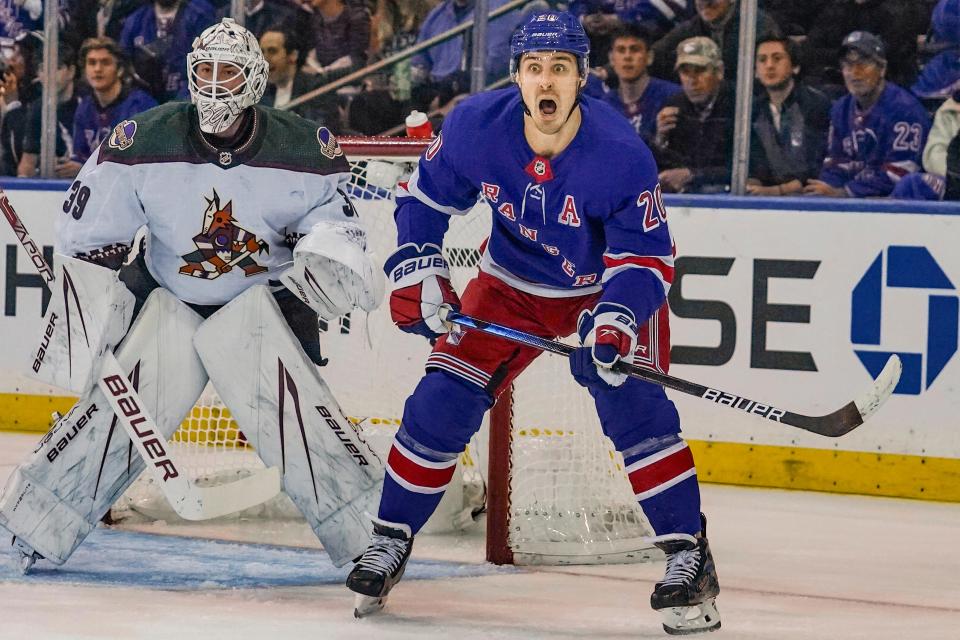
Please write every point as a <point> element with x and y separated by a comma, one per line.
<point>701,618</point>
<point>364,606</point>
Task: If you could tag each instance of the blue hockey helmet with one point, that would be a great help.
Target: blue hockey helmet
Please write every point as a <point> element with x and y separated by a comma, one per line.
<point>550,31</point>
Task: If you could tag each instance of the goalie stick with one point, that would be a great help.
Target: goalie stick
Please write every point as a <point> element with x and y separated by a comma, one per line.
<point>833,425</point>
<point>188,500</point>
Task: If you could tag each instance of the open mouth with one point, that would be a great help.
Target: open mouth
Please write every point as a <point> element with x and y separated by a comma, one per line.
<point>548,107</point>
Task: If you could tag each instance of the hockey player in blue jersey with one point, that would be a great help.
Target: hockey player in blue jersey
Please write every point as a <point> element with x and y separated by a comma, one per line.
<point>579,243</point>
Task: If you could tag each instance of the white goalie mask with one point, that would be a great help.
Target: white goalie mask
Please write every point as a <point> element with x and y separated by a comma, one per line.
<point>227,73</point>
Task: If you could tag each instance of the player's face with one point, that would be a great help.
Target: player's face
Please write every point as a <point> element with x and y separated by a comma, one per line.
<point>629,58</point>
<point>227,76</point>
<point>549,82</point>
<point>101,70</point>
<point>774,68</point>
<point>861,75</point>
<point>700,84</point>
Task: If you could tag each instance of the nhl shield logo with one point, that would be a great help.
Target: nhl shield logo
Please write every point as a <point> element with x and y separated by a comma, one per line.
<point>226,158</point>
<point>328,143</point>
<point>122,136</point>
<point>540,167</point>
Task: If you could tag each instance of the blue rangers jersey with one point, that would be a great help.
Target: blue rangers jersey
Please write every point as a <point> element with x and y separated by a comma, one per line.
<point>869,151</point>
<point>93,123</point>
<point>589,219</point>
<point>642,114</point>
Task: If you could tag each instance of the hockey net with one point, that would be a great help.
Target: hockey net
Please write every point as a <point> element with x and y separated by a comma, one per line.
<point>552,485</point>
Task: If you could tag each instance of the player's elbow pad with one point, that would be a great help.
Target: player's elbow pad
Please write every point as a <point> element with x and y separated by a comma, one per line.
<point>332,271</point>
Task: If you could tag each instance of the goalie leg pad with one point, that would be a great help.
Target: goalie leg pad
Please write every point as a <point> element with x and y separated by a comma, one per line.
<point>291,418</point>
<point>89,312</point>
<point>85,462</point>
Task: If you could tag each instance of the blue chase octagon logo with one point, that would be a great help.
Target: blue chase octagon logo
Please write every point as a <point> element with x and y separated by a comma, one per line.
<point>906,268</point>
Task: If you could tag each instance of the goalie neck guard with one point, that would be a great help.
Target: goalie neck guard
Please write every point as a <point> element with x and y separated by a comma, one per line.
<point>551,31</point>
<point>235,79</point>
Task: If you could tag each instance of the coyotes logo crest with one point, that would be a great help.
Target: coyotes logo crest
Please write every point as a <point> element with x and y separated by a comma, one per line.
<point>222,245</point>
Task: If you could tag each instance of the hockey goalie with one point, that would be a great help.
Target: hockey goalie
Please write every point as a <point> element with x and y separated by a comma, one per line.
<point>249,239</point>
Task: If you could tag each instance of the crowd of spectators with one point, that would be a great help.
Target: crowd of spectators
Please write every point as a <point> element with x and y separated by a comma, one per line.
<point>853,98</point>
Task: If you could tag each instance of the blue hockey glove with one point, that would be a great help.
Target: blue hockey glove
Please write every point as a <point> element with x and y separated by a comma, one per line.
<point>419,284</point>
<point>607,335</point>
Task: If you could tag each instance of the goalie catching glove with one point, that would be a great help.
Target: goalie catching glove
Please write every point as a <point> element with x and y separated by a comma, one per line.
<point>608,334</point>
<point>419,285</point>
<point>332,271</point>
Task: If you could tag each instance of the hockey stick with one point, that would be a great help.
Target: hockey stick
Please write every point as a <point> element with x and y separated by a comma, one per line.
<point>188,500</point>
<point>833,425</point>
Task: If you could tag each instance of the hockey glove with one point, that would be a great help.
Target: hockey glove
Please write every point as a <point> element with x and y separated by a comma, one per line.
<point>607,335</point>
<point>419,283</point>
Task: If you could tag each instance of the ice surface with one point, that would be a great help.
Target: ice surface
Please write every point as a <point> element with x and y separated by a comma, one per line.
<point>792,566</point>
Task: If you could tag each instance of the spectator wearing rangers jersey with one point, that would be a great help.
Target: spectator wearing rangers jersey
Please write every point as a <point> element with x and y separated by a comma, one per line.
<point>877,130</point>
<point>637,95</point>
<point>112,98</point>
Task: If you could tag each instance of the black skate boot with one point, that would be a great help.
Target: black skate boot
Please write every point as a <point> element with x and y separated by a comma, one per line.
<point>380,567</point>
<point>686,597</point>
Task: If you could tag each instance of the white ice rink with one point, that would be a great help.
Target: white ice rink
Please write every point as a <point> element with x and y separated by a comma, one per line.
<point>792,566</point>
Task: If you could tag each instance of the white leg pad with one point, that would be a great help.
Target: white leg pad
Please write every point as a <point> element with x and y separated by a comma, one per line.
<point>291,418</point>
<point>86,461</point>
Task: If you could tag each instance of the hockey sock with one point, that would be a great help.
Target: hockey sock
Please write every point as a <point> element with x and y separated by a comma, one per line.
<point>664,481</point>
<point>438,421</point>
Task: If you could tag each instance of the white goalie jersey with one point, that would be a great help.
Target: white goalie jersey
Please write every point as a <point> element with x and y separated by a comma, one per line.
<point>218,220</point>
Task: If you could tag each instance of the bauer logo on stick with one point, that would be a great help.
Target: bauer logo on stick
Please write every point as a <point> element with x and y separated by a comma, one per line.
<point>122,136</point>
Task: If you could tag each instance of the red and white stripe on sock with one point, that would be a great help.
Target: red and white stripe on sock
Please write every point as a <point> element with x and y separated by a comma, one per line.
<point>657,472</point>
<point>416,473</point>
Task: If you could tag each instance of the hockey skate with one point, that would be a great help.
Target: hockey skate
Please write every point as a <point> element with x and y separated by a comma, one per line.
<point>686,597</point>
<point>380,567</point>
<point>26,556</point>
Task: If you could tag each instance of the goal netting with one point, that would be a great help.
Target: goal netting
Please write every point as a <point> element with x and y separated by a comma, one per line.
<point>551,484</point>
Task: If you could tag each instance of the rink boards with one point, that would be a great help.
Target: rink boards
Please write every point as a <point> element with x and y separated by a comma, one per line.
<point>784,301</point>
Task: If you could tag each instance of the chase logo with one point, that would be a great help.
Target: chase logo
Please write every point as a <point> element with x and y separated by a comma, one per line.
<point>906,268</point>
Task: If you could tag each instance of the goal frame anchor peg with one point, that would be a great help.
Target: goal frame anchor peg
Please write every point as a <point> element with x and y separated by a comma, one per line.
<point>832,425</point>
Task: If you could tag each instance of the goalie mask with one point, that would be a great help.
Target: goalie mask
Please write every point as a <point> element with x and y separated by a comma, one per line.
<point>227,73</point>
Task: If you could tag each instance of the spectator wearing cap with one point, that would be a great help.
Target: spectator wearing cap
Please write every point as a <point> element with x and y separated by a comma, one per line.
<point>897,22</point>
<point>637,95</point>
<point>718,20</point>
<point>790,122</point>
<point>877,130</point>
<point>112,99</point>
<point>694,140</point>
